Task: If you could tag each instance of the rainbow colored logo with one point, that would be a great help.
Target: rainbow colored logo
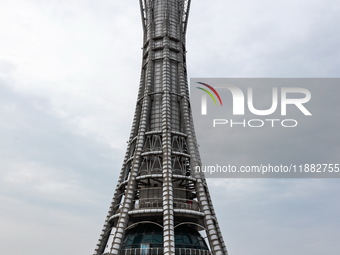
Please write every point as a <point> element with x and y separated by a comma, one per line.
<point>209,93</point>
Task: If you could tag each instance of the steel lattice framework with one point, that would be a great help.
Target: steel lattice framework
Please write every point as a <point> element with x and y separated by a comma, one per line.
<point>156,183</point>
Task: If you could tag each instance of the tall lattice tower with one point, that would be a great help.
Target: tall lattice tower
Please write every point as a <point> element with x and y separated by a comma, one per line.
<point>160,205</point>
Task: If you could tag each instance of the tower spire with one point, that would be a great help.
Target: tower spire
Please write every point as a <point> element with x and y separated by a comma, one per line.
<point>160,205</point>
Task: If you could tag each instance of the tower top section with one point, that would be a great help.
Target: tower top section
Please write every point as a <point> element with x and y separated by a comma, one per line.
<point>165,17</point>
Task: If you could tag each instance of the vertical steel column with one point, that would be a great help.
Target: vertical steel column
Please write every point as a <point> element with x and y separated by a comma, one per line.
<point>116,200</point>
<point>131,186</point>
<point>213,232</point>
<point>168,210</point>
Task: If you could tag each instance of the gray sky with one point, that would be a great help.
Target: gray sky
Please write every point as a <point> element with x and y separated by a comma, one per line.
<point>69,73</point>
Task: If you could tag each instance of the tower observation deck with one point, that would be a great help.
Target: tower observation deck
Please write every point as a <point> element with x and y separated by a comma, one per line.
<point>160,205</point>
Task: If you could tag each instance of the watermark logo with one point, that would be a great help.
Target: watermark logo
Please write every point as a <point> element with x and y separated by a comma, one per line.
<point>280,100</point>
<point>204,96</point>
<point>266,127</point>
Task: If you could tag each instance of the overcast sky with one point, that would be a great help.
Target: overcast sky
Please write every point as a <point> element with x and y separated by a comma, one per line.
<point>69,73</point>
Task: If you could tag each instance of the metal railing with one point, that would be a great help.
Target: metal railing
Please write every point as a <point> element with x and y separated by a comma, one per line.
<point>157,203</point>
<point>159,251</point>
